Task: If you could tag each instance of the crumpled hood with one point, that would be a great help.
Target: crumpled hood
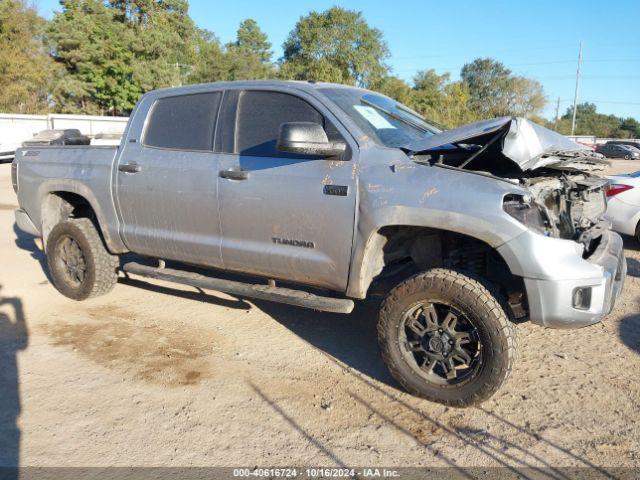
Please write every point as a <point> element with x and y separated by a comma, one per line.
<point>527,144</point>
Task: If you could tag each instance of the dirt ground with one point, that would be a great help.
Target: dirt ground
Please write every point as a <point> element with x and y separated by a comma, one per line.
<point>155,374</point>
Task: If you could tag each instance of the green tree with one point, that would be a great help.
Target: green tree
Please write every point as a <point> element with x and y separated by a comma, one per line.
<point>429,92</point>
<point>630,128</point>
<point>95,50</point>
<point>251,40</point>
<point>115,51</point>
<point>457,111</point>
<point>26,70</point>
<point>141,12</point>
<point>248,58</point>
<point>495,92</point>
<point>242,66</point>
<point>488,83</point>
<point>336,45</point>
<point>524,97</point>
<point>164,40</point>
<point>395,88</point>
<point>210,61</point>
<point>590,122</point>
<point>441,100</point>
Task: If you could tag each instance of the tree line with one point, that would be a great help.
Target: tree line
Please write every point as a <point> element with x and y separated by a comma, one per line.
<point>100,56</point>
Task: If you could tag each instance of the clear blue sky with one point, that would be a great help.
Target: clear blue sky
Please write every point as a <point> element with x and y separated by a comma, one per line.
<point>536,38</point>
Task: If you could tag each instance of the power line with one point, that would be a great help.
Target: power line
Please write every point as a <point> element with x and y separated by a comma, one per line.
<point>589,77</point>
<point>621,60</point>
<point>465,52</point>
<point>554,62</point>
<point>615,102</point>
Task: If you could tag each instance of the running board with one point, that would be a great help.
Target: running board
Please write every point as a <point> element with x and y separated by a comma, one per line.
<point>263,292</point>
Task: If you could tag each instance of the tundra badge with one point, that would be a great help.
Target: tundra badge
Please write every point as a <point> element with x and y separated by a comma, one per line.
<point>295,243</point>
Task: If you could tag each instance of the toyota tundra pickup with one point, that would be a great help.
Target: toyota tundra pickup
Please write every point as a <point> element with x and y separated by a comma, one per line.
<point>321,195</point>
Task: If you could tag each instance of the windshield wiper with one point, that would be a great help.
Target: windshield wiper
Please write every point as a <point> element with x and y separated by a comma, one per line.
<point>396,116</point>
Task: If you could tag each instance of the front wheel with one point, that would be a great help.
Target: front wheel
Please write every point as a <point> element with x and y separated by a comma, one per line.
<point>627,157</point>
<point>80,265</point>
<point>445,337</point>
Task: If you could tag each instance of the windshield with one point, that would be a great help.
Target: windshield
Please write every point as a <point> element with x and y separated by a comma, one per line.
<point>386,121</point>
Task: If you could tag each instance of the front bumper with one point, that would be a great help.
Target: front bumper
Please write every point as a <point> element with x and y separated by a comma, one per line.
<point>555,273</point>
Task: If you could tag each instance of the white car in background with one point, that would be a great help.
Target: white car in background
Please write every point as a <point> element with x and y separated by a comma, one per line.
<point>624,203</point>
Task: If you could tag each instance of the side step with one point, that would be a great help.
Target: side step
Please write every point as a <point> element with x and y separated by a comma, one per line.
<point>262,292</point>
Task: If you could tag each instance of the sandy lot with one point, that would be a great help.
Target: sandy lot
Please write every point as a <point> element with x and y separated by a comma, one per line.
<point>159,375</point>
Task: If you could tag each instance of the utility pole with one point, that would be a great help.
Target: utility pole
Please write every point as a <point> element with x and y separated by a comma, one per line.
<point>555,125</point>
<point>575,96</point>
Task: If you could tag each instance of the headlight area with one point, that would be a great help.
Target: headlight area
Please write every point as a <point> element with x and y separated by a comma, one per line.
<point>525,211</point>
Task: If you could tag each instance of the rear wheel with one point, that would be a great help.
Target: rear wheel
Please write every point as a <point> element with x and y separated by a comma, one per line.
<point>627,157</point>
<point>445,337</point>
<point>80,265</point>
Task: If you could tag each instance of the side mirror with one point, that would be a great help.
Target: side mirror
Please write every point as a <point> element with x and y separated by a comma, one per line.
<point>307,138</point>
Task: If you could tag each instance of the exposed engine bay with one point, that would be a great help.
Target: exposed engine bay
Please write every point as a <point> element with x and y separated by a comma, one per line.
<point>563,204</point>
<point>566,197</point>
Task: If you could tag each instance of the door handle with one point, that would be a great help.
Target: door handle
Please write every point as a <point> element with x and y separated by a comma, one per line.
<point>129,167</point>
<point>234,174</point>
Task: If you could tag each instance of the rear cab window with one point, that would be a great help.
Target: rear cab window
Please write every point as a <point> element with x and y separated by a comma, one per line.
<point>183,122</point>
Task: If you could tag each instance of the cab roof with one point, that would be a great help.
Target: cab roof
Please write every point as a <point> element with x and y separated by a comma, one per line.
<point>238,84</point>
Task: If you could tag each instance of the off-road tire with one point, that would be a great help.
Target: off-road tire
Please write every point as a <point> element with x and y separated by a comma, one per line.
<point>475,299</point>
<point>101,272</point>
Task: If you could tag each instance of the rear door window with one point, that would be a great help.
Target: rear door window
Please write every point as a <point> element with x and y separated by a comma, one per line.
<point>260,115</point>
<point>184,122</point>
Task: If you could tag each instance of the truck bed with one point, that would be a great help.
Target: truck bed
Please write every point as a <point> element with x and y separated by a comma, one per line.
<point>75,169</point>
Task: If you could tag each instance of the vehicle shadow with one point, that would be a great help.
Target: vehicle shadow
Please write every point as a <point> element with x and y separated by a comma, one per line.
<point>24,241</point>
<point>194,293</point>
<point>629,331</point>
<point>633,267</point>
<point>197,294</point>
<point>630,243</point>
<point>13,338</point>
<point>351,339</point>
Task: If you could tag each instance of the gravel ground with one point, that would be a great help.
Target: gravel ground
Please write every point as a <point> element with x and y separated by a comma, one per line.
<point>155,374</point>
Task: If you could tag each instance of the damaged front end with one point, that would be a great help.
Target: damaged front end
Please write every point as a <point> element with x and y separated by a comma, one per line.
<point>565,199</point>
<point>562,205</point>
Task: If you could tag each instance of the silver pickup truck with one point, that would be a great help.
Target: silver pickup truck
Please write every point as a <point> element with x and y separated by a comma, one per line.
<point>324,194</point>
